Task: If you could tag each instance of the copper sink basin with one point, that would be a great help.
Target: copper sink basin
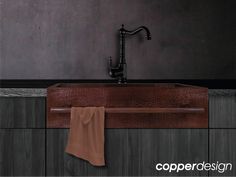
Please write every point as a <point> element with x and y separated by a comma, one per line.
<point>151,105</point>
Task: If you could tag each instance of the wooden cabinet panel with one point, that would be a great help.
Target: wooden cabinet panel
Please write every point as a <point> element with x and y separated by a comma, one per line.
<point>223,149</point>
<point>131,152</point>
<point>22,112</point>
<point>22,152</point>
<point>222,108</point>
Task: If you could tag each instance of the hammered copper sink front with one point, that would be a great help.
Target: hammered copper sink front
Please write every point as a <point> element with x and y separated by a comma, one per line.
<point>166,97</point>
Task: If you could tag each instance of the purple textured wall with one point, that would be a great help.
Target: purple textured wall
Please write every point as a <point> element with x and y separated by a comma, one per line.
<point>72,39</point>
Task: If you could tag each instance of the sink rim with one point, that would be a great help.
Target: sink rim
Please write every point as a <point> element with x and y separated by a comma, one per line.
<point>162,85</point>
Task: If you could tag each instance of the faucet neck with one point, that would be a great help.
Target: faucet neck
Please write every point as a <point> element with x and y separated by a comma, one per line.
<point>122,45</point>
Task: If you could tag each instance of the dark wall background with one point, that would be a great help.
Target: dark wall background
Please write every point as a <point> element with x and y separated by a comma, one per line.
<point>72,39</point>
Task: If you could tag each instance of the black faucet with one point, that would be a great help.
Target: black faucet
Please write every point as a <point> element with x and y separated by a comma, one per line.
<point>120,71</point>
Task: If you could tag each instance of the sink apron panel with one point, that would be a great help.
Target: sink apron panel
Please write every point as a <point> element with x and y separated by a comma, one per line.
<point>131,96</point>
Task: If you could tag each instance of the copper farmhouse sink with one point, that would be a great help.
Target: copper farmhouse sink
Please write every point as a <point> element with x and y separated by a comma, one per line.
<point>167,105</point>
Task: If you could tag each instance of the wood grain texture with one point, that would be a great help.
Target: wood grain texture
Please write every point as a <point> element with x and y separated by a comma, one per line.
<point>223,149</point>
<point>128,96</point>
<point>222,108</point>
<point>22,112</point>
<point>130,152</point>
<point>22,152</point>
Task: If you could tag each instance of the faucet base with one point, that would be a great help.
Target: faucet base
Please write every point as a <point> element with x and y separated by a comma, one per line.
<point>122,81</point>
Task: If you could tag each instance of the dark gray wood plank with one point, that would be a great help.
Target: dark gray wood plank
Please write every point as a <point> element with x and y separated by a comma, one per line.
<point>22,112</point>
<point>222,108</point>
<point>116,146</point>
<point>58,162</point>
<point>222,149</point>
<point>22,152</point>
<point>172,146</point>
<point>131,152</point>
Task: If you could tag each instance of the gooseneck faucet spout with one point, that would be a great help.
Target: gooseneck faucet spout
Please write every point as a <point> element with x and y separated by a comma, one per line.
<point>120,71</point>
<point>148,34</point>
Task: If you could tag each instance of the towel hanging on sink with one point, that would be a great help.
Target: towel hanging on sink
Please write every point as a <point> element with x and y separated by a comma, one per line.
<point>86,136</point>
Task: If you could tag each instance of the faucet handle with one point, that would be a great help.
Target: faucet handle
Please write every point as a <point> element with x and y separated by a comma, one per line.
<point>110,61</point>
<point>110,68</point>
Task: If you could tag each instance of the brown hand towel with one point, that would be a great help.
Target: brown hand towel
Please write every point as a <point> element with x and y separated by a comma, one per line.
<point>86,136</point>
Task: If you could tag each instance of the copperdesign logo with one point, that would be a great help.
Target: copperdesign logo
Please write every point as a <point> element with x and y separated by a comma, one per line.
<point>203,166</point>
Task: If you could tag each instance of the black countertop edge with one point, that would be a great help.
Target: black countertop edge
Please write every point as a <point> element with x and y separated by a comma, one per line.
<point>209,83</point>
